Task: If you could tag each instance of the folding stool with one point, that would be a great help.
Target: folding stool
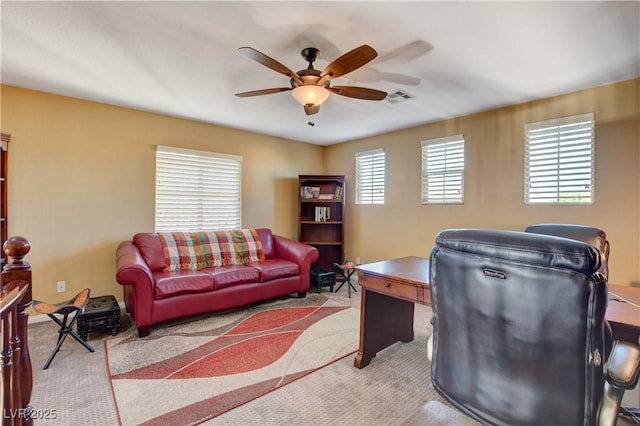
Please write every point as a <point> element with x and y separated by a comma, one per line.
<point>73,306</point>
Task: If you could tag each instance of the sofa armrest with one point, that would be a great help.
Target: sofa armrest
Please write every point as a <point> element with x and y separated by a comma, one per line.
<point>300,253</point>
<point>132,270</point>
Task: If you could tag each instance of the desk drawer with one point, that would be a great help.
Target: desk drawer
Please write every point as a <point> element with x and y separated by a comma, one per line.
<point>392,288</point>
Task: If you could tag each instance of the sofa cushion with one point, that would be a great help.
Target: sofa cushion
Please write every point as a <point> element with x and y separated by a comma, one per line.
<point>173,283</point>
<point>226,276</point>
<point>151,250</point>
<point>271,269</point>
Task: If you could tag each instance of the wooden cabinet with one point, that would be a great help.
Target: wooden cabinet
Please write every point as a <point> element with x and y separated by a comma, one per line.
<point>321,217</point>
<point>4,145</point>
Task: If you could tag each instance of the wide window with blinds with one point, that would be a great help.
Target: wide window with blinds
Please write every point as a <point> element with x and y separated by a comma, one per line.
<point>197,190</point>
<point>370,170</point>
<point>559,160</point>
<point>443,170</point>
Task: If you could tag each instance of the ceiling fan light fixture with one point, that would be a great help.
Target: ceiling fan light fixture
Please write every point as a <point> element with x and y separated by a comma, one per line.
<point>310,94</point>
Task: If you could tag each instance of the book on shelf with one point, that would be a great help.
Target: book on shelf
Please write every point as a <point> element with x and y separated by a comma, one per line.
<point>338,193</point>
<point>323,214</point>
<point>326,197</point>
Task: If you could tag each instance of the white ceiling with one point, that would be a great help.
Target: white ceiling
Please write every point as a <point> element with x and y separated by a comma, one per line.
<point>181,58</point>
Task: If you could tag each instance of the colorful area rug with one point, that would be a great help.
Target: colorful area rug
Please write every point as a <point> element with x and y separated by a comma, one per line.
<point>191,372</point>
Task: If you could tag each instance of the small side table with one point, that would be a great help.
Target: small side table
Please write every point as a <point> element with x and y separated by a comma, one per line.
<point>100,314</point>
<point>346,270</point>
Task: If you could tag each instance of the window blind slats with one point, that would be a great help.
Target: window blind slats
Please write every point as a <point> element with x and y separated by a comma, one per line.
<point>197,190</point>
<point>559,160</point>
<point>443,170</point>
<point>370,177</point>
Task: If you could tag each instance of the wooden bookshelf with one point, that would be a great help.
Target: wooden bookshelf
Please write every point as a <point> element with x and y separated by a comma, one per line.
<point>321,217</point>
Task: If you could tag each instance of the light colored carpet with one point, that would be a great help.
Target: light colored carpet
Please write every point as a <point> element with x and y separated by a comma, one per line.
<point>435,413</point>
<point>77,384</point>
<point>387,391</point>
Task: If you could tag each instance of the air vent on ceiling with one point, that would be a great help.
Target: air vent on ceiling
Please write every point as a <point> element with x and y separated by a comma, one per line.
<point>398,96</point>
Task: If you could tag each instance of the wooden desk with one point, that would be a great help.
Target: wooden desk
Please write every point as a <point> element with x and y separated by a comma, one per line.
<point>391,288</point>
<point>623,317</point>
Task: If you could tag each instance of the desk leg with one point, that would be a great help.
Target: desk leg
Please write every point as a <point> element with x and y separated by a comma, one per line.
<point>384,320</point>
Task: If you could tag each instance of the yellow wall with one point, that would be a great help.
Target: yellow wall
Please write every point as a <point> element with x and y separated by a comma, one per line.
<point>494,179</point>
<point>81,180</point>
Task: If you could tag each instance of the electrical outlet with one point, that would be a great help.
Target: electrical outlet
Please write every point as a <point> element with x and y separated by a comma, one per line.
<point>61,286</point>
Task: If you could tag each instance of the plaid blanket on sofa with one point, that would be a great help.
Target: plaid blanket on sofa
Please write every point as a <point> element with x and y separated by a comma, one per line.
<point>190,251</point>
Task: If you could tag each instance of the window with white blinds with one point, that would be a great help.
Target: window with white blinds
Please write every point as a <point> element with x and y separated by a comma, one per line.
<point>197,190</point>
<point>559,160</point>
<point>370,170</point>
<point>443,170</point>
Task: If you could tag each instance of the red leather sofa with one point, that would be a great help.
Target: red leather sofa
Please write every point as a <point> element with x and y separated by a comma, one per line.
<point>152,296</point>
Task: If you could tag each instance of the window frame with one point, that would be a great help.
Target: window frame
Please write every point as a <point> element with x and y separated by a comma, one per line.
<point>452,144</point>
<point>194,190</point>
<point>370,194</point>
<point>576,123</point>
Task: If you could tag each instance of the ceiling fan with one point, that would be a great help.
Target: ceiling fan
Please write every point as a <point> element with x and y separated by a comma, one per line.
<point>311,87</point>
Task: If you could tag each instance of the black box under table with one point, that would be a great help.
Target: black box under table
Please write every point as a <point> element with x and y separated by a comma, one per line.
<point>100,314</point>
<point>320,278</point>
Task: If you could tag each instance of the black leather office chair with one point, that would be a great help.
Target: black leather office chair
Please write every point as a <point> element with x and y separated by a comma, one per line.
<point>588,234</point>
<point>519,330</point>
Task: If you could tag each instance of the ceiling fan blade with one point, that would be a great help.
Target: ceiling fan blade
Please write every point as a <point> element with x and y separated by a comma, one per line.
<point>262,92</point>
<point>348,62</point>
<point>268,62</point>
<point>310,109</point>
<point>359,92</point>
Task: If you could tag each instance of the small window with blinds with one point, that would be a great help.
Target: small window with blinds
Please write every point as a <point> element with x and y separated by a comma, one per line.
<point>370,170</point>
<point>443,170</point>
<point>559,161</point>
<point>197,190</point>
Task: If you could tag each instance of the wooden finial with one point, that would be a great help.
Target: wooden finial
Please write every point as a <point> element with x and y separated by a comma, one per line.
<point>17,248</point>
